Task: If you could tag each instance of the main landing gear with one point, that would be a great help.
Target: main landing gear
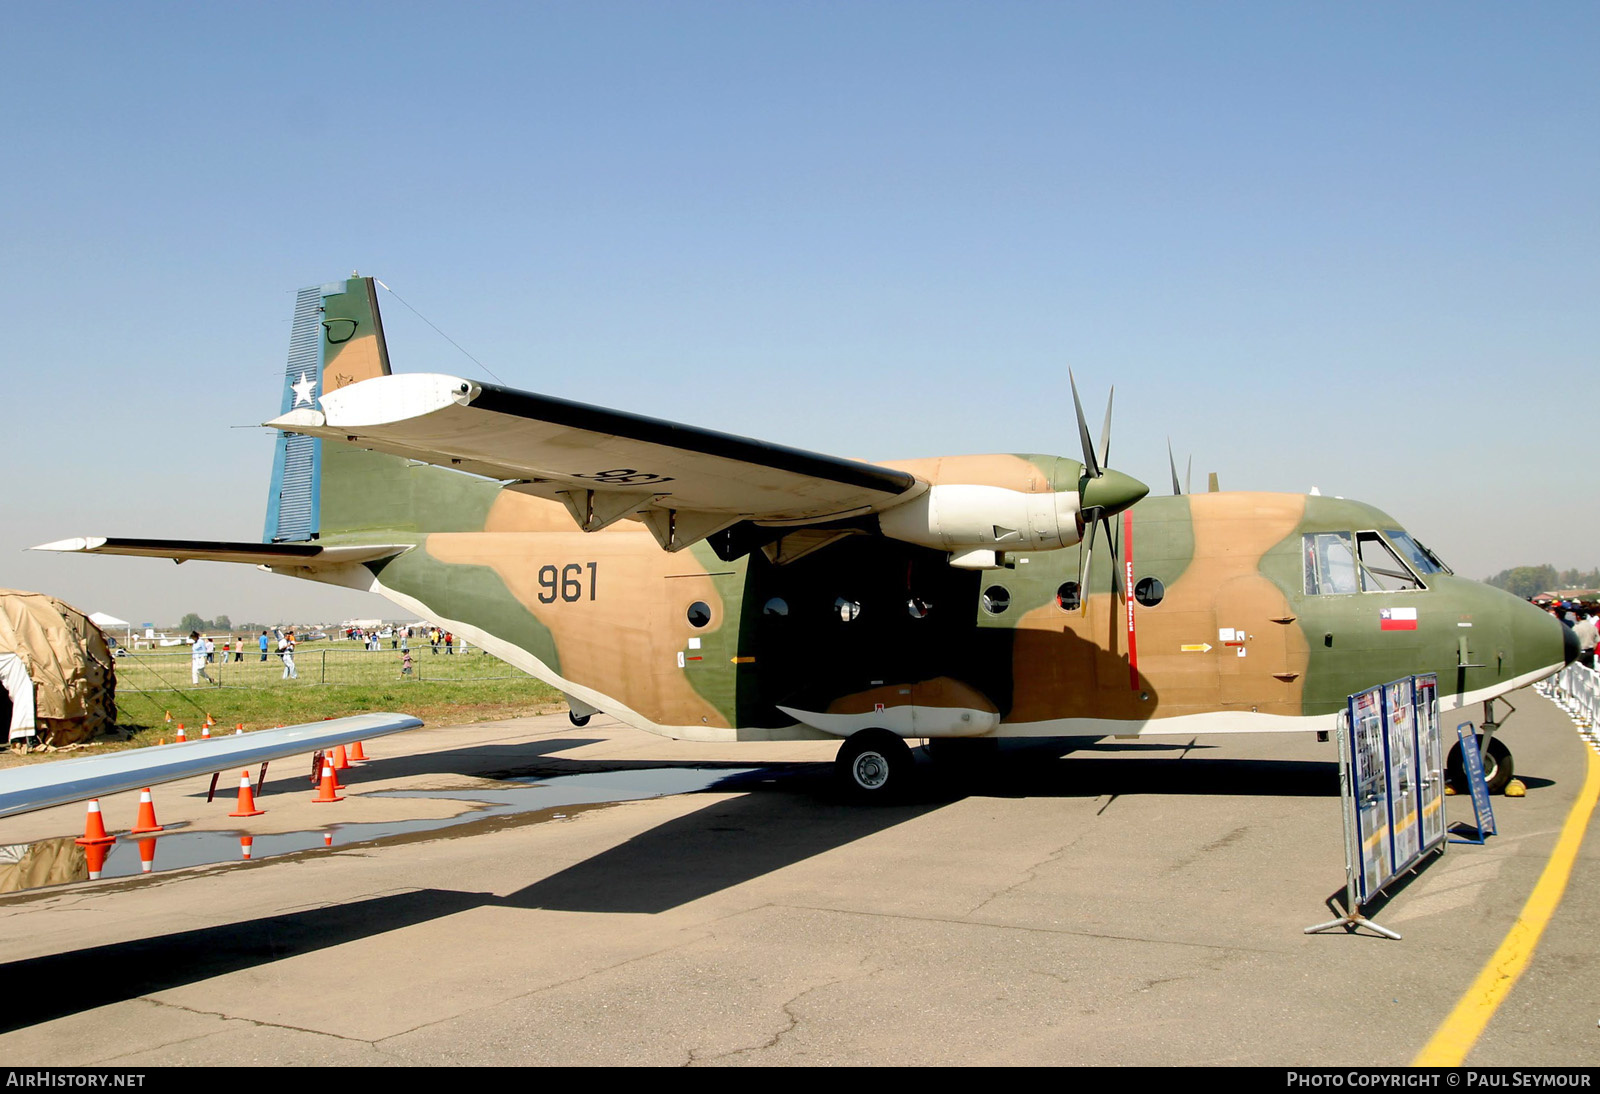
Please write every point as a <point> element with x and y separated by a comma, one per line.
<point>874,765</point>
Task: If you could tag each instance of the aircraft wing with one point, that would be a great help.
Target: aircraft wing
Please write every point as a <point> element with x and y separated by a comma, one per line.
<point>40,786</point>
<point>682,481</point>
<point>308,556</point>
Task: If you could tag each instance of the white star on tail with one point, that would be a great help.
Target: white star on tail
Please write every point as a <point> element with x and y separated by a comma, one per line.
<point>303,390</point>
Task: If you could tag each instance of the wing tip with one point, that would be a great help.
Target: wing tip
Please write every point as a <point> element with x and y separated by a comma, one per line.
<point>76,544</point>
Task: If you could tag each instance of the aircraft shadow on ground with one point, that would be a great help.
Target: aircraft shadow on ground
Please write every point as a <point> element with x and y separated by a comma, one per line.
<point>784,814</point>
<point>57,985</point>
<point>727,842</point>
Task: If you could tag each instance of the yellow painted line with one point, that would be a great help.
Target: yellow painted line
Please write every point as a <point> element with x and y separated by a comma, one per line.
<point>1461,1030</point>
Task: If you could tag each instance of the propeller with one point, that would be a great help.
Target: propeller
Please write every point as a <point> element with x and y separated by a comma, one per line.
<point>1188,472</point>
<point>1102,492</point>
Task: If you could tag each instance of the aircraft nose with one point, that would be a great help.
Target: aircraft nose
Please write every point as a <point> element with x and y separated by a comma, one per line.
<point>1569,643</point>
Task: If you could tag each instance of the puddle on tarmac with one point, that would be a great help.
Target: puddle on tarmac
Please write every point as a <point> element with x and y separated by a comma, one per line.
<point>59,861</point>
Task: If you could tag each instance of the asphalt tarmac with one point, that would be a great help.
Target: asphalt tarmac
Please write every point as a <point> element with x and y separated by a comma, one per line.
<point>1125,902</point>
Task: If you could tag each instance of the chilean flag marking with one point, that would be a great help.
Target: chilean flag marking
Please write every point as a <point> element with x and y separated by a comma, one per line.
<point>1397,619</point>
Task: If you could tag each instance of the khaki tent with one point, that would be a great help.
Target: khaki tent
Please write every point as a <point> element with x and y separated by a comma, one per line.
<point>56,671</point>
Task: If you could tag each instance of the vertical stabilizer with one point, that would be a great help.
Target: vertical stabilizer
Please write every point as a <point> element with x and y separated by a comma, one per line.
<point>337,340</point>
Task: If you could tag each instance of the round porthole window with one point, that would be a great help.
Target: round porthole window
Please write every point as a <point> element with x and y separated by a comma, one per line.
<point>848,609</point>
<point>1067,598</point>
<point>777,606</point>
<point>996,599</point>
<point>918,608</point>
<point>699,613</point>
<point>1149,591</point>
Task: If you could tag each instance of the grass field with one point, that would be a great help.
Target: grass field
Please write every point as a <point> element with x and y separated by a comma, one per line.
<point>443,690</point>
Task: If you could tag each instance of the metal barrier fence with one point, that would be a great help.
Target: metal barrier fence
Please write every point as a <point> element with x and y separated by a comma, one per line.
<point>141,671</point>
<point>1576,690</point>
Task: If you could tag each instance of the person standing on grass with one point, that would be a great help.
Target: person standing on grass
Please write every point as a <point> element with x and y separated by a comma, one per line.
<point>286,651</point>
<point>197,659</point>
<point>449,643</point>
<point>263,644</point>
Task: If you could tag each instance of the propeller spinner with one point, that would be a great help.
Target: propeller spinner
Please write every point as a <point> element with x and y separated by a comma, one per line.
<point>1102,492</point>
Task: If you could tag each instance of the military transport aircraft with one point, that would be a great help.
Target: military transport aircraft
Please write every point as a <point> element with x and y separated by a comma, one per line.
<point>711,587</point>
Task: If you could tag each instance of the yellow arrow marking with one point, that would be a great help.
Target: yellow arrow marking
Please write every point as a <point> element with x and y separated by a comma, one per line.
<point>1200,647</point>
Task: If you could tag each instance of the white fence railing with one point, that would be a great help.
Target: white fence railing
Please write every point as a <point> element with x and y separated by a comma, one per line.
<point>1577,691</point>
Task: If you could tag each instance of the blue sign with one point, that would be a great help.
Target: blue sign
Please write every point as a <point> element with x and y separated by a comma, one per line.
<point>1472,760</point>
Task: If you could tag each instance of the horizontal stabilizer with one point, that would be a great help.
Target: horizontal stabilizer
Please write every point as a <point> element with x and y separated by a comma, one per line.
<point>40,786</point>
<point>305,555</point>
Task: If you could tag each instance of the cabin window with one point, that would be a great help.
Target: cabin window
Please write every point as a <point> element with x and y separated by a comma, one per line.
<point>1149,591</point>
<point>1381,568</point>
<point>918,608</point>
<point>1330,563</point>
<point>699,613</point>
<point>848,609</point>
<point>996,599</point>
<point>1067,597</point>
<point>777,606</point>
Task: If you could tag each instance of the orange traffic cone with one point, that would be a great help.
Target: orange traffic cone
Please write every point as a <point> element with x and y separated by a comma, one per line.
<point>181,737</point>
<point>147,855</point>
<point>96,854</point>
<point>341,762</point>
<point>245,843</point>
<point>238,729</point>
<point>327,839</point>
<point>147,814</point>
<point>356,755</point>
<point>205,732</point>
<point>94,828</point>
<point>169,717</point>
<point>327,791</point>
<point>247,799</point>
<point>209,722</point>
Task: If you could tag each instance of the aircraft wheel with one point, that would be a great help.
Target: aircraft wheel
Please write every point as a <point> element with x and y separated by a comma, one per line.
<point>578,719</point>
<point>1497,767</point>
<point>874,765</point>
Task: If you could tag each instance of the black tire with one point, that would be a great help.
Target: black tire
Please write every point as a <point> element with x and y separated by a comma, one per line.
<point>579,720</point>
<point>874,765</point>
<point>1498,767</point>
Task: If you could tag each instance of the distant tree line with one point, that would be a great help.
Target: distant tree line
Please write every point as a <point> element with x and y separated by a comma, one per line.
<point>193,622</point>
<point>1527,581</point>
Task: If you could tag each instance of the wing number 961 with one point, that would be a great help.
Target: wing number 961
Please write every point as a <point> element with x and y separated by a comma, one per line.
<point>568,583</point>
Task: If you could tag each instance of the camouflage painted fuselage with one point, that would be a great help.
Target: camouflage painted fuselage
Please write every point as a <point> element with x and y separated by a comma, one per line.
<point>689,645</point>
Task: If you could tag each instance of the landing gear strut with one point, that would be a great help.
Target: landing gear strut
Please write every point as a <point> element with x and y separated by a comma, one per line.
<point>874,765</point>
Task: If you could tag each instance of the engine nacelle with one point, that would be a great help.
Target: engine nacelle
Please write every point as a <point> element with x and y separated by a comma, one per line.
<point>959,517</point>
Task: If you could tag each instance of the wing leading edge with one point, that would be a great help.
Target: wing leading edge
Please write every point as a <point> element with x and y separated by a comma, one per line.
<point>41,786</point>
<point>305,556</point>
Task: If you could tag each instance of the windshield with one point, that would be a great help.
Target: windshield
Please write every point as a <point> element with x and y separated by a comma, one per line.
<point>1422,560</point>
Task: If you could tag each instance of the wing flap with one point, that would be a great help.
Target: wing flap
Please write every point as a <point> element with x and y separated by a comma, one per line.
<point>551,446</point>
<point>41,786</point>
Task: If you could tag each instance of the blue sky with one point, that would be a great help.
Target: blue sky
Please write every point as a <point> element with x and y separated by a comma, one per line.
<point>1351,246</point>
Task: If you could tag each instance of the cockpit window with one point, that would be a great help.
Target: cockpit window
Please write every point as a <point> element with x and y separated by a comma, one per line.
<point>1330,563</point>
<point>1381,568</point>
<point>1422,560</point>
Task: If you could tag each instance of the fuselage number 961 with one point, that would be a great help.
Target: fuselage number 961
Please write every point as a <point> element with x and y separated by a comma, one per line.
<point>567,582</point>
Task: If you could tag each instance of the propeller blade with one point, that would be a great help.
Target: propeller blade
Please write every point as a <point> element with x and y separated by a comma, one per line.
<point>1188,476</point>
<point>1105,432</point>
<point>1089,464</point>
<point>1213,488</point>
<point>1085,553</point>
<point>1174,465</point>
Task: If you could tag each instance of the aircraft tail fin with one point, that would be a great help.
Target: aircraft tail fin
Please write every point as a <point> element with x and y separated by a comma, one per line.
<point>337,340</point>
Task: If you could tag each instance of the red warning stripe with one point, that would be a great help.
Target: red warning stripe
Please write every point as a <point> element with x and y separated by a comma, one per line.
<point>1127,598</point>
